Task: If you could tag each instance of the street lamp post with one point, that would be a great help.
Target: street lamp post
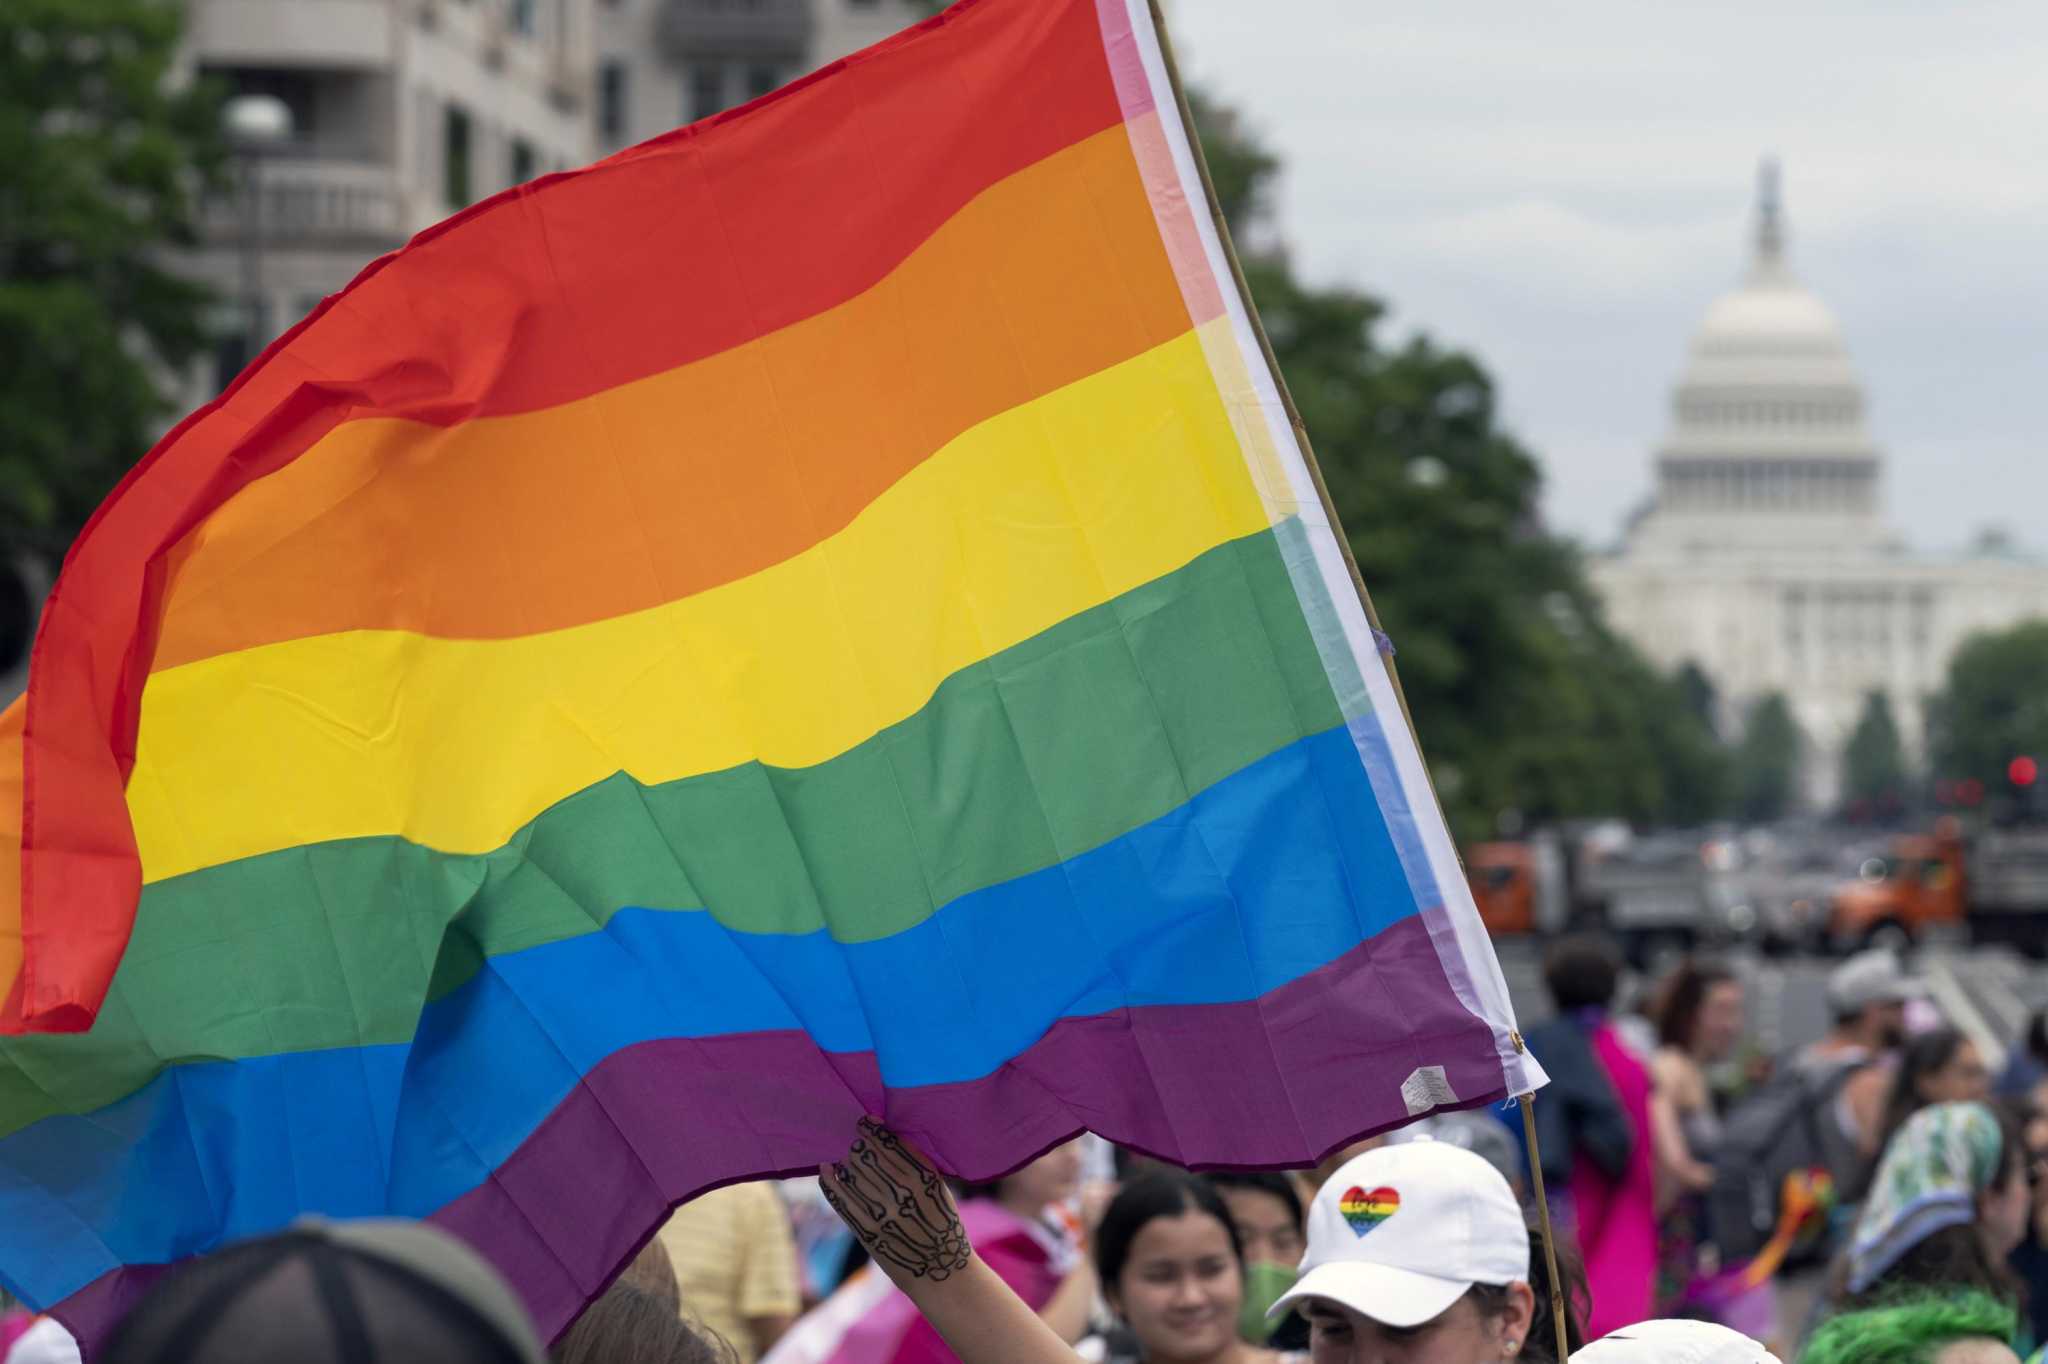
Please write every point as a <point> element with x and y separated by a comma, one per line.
<point>255,125</point>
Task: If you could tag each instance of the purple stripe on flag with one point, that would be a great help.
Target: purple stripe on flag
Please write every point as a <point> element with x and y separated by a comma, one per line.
<point>1278,1081</point>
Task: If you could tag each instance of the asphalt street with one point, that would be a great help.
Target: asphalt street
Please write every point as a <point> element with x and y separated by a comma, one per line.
<point>1987,992</point>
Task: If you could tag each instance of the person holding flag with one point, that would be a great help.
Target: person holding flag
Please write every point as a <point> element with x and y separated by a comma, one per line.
<point>1417,1254</point>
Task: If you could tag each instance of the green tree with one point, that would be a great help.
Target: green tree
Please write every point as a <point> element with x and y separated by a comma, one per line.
<point>1767,761</point>
<point>1994,707</point>
<point>1874,761</point>
<point>1699,694</point>
<point>101,162</point>
<point>1525,699</point>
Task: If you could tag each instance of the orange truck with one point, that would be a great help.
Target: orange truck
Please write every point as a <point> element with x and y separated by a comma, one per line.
<point>1518,885</point>
<point>1994,884</point>
<point>1503,877</point>
<point>1921,880</point>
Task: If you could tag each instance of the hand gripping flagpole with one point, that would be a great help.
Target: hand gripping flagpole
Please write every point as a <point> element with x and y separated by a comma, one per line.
<point>1315,470</point>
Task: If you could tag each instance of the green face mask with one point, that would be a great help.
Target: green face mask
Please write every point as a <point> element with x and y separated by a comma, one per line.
<point>1263,1285</point>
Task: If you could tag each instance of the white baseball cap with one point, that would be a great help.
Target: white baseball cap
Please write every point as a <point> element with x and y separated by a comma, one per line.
<point>1401,1233</point>
<point>1675,1342</point>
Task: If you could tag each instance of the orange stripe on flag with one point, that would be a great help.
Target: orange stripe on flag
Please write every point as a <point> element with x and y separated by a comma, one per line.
<point>546,520</point>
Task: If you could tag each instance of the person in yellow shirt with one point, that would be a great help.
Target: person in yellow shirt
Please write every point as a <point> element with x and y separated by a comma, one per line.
<point>735,1264</point>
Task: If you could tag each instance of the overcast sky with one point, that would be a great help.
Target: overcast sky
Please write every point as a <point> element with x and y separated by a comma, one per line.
<point>1563,188</point>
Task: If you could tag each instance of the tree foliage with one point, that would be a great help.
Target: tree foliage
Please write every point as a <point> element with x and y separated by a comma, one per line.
<point>1874,774</point>
<point>101,161</point>
<point>1700,696</point>
<point>1767,761</point>
<point>1994,707</point>
<point>1524,698</point>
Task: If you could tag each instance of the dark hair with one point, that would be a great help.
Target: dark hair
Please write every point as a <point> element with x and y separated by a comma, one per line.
<point>1954,1259</point>
<point>2037,1036</point>
<point>1279,1186</point>
<point>1676,1009</point>
<point>1161,1193</point>
<point>1582,971</point>
<point>1541,1345</point>
<point>1921,1056</point>
<point>1291,1335</point>
<point>627,1326</point>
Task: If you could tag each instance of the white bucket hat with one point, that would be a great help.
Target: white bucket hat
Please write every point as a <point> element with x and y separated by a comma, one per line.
<point>1401,1233</point>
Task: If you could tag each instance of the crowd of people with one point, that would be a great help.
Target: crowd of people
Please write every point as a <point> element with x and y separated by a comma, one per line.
<point>1875,1197</point>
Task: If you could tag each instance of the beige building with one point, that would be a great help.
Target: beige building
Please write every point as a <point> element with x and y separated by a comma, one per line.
<point>664,63</point>
<point>1763,554</point>
<point>402,111</point>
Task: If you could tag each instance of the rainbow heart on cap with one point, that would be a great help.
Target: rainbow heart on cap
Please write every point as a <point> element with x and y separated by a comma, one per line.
<point>1364,1210</point>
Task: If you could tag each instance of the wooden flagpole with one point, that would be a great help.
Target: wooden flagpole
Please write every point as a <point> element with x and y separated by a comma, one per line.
<point>1557,1307</point>
<point>1315,470</point>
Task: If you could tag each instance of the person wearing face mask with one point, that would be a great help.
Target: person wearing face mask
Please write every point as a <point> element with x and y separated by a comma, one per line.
<point>1417,1254</point>
<point>1267,1212</point>
<point>1172,1266</point>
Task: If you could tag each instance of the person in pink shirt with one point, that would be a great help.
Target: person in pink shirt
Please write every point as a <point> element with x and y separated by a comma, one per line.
<point>1597,1144</point>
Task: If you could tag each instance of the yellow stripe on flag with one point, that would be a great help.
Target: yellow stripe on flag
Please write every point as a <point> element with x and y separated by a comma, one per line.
<point>1042,512</point>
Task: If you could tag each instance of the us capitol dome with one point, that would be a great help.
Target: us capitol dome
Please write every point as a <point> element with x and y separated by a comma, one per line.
<point>1763,555</point>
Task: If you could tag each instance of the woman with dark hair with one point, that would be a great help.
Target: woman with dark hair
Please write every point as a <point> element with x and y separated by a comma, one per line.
<point>1594,1129</point>
<point>1171,1264</point>
<point>1417,1254</point>
<point>1699,1018</point>
<point>1948,1204</point>
<point>1937,1067</point>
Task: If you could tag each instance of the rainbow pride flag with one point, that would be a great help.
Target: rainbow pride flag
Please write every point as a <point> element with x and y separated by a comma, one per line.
<point>819,614</point>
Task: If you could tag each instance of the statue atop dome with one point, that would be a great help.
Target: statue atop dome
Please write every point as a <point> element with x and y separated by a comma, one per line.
<point>1763,556</point>
<point>1770,220</point>
<point>1767,447</point>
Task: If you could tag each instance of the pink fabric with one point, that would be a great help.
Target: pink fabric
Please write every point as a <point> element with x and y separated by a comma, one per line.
<point>868,1322</point>
<point>1617,1219</point>
<point>1019,1256</point>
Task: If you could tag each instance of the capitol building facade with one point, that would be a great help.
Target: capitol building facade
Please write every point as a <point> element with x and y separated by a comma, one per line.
<point>1763,555</point>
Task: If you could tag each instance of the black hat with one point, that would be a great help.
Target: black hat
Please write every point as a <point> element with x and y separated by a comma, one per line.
<point>369,1292</point>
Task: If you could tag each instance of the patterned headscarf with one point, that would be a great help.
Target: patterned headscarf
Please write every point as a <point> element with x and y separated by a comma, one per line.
<point>1929,1179</point>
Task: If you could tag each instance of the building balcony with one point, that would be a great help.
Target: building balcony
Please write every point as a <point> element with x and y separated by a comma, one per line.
<point>314,202</point>
<point>763,31</point>
<point>321,33</point>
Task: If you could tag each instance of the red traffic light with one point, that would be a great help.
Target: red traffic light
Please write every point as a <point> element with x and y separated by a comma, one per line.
<point>2022,771</point>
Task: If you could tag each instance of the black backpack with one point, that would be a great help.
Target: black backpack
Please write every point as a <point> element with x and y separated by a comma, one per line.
<point>1783,1164</point>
